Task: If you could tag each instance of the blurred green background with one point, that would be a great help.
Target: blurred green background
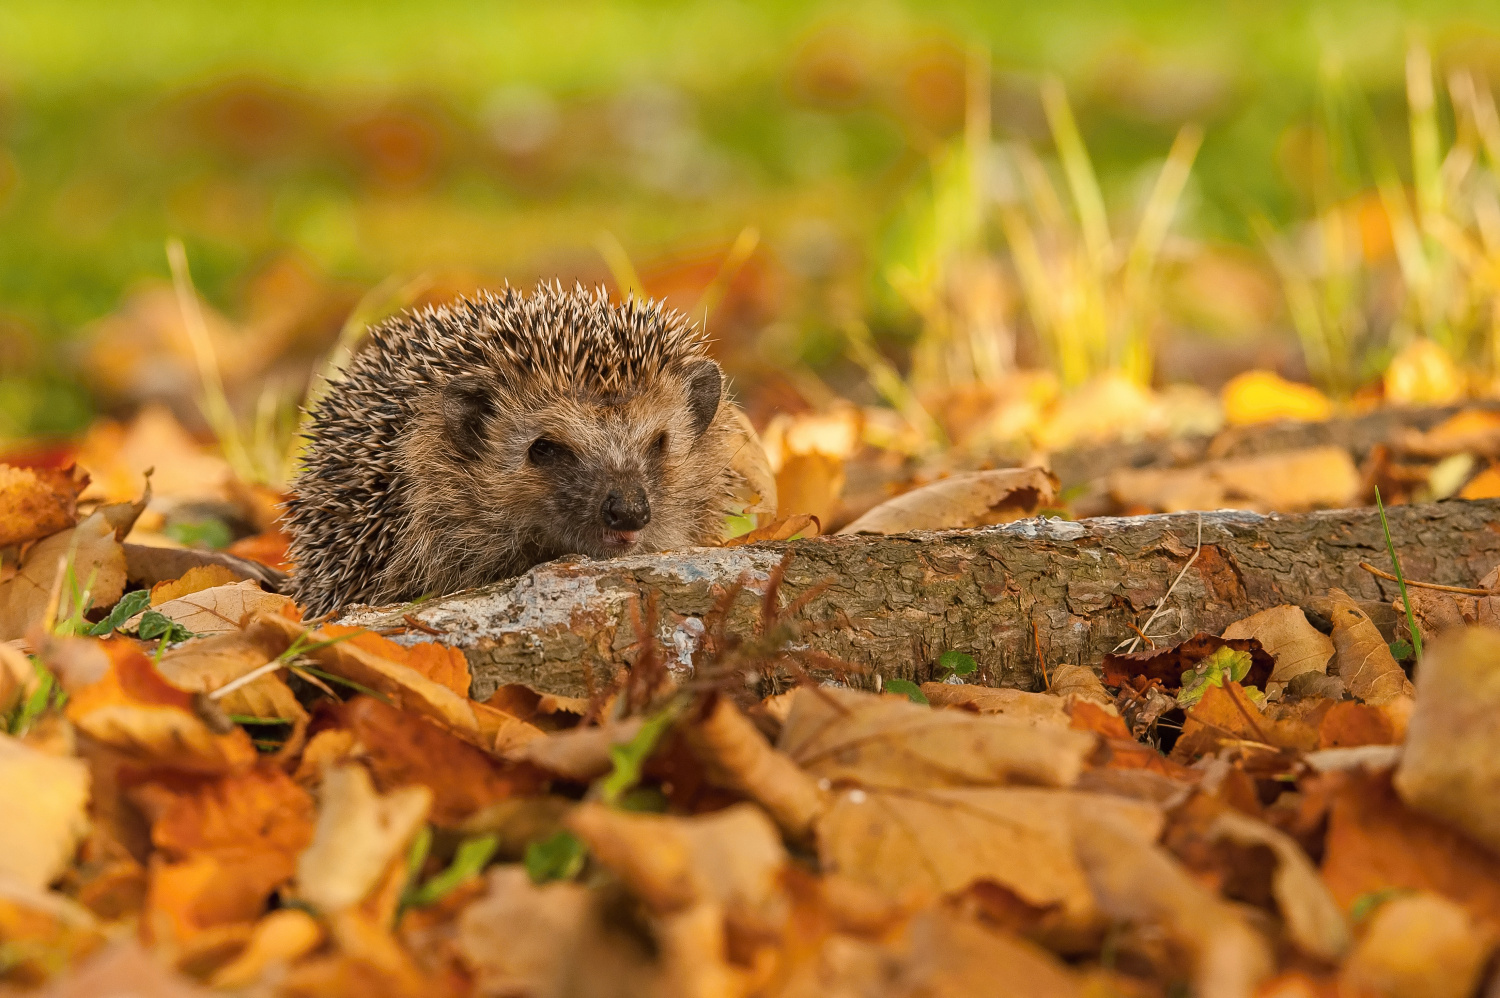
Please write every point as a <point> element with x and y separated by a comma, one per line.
<point>306,152</point>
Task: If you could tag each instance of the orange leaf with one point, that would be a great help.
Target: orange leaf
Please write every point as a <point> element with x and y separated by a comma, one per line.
<point>258,810</point>
<point>1376,843</point>
<point>132,709</point>
<point>269,548</point>
<point>37,502</point>
<point>1348,724</point>
<point>437,662</point>
<point>403,749</point>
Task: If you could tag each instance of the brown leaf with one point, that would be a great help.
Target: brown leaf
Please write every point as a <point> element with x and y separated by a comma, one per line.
<point>1362,658</point>
<point>753,467</point>
<point>519,937</point>
<point>578,754</point>
<point>125,968</point>
<point>1420,946</point>
<point>282,937</point>
<point>1451,767</point>
<point>1283,631</point>
<point>194,580</point>
<point>1225,714</point>
<point>1313,920</point>
<point>1012,705</point>
<point>223,847</point>
<point>732,858</point>
<point>37,502</point>
<point>848,735</point>
<point>971,499</point>
<point>45,799</point>
<point>1375,843</point>
<point>217,609</point>
<point>1167,665</point>
<point>917,845</point>
<point>98,567</point>
<point>547,711</point>
<point>951,957</point>
<point>1137,882</point>
<point>151,565</point>
<point>440,663</point>
<point>406,686</point>
<point>783,529</point>
<point>132,709</point>
<point>738,757</point>
<point>403,749</point>
<point>1286,481</point>
<point>1347,724</point>
<point>810,484</point>
<point>1071,682</point>
<point>358,834</point>
<point>205,665</point>
<point>1475,431</point>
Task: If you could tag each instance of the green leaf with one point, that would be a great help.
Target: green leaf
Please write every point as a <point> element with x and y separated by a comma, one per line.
<point>128,606</point>
<point>912,691</point>
<point>957,663</point>
<point>1224,664</point>
<point>471,857</point>
<point>557,858</point>
<point>628,759</point>
<point>1400,650</point>
<point>155,624</point>
<point>648,800</point>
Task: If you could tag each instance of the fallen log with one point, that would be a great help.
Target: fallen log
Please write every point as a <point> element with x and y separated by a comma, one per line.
<point>1012,596</point>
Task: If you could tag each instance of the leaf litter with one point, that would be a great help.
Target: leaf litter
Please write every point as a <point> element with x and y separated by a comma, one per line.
<point>257,804</point>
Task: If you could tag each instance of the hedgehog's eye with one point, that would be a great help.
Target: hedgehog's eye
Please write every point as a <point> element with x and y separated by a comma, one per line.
<point>545,451</point>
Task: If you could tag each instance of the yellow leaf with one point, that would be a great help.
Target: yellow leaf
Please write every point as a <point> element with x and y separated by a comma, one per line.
<point>359,833</point>
<point>98,566</point>
<point>1263,396</point>
<point>1422,373</point>
<point>45,799</point>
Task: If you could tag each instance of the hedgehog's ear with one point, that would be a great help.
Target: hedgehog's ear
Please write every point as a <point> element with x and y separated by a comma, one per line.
<point>705,388</point>
<point>467,403</point>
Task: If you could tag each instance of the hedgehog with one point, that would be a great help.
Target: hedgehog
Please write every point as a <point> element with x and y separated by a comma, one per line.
<point>469,442</point>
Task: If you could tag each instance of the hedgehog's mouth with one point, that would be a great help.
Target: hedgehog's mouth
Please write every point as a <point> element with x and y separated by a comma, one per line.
<point>621,540</point>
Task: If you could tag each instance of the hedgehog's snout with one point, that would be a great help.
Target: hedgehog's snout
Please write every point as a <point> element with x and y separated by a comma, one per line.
<point>626,513</point>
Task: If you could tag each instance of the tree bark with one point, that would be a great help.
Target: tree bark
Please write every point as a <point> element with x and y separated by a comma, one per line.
<point>892,605</point>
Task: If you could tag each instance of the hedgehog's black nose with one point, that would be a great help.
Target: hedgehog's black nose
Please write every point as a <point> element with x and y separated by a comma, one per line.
<point>621,513</point>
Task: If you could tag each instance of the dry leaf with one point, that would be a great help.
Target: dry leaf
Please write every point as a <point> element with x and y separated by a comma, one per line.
<point>406,687</point>
<point>1451,766</point>
<point>98,567</point>
<point>1419,946</point>
<point>751,464</point>
<point>17,677</point>
<point>37,502</point>
<point>359,832</point>
<point>733,858</point>
<point>1264,396</point>
<point>194,580</point>
<point>738,757</point>
<point>951,957</point>
<point>205,665</point>
<point>132,709</point>
<point>269,549</point>
<point>781,530</point>
<point>1472,431</point>
<point>1285,634</point>
<point>1375,843</point>
<point>924,844</point>
<point>1226,714</point>
<point>440,663</point>
<point>1137,882</point>
<point>1313,920</point>
<point>45,800</point>
<point>219,608</point>
<point>884,741</point>
<point>403,749</point>
<point>1012,705</point>
<point>1167,664</point>
<point>519,937</point>
<point>1423,373</point>
<point>124,970</point>
<point>1070,682</point>
<point>578,754</point>
<point>1286,481</point>
<point>280,938</point>
<point>1363,660</point>
<point>117,456</point>
<point>811,484</point>
<point>972,499</point>
<point>1348,724</point>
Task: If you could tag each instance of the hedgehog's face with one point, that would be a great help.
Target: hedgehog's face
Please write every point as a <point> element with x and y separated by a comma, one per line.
<point>588,474</point>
